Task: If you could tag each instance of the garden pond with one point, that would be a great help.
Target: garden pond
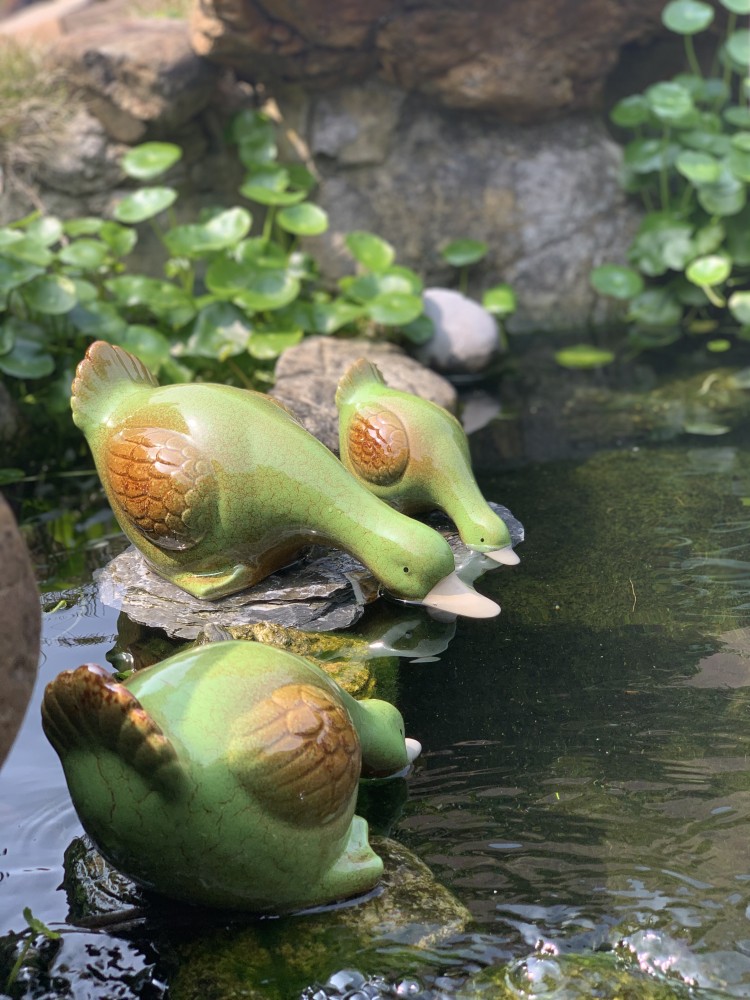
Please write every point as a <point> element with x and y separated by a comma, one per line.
<point>579,822</point>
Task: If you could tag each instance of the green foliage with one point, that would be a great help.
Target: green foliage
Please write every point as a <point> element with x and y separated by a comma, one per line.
<point>688,158</point>
<point>36,929</point>
<point>236,288</point>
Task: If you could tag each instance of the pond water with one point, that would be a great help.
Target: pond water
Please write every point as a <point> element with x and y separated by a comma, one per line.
<point>584,789</point>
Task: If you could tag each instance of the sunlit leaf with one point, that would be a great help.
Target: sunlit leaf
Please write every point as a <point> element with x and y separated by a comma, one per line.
<point>460,253</point>
<point>500,301</point>
<point>727,197</point>
<point>371,251</point>
<point>150,159</point>
<point>420,330</point>
<point>84,253</point>
<point>119,239</point>
<point>46,230</point>
<point>698,167</point>
<point>148,344</point>
<point>27,358</point>
<point>220,331</point>
<point>14,273</point>
<point>714,269</point>
<point>394,308</point>
<point>221,231</point>
<point>687,17</point>
<point>266,346</point>
<point>669,101</point>
<point>144,204</point>
<point>739,306</point>
<point>738,47</point>
<point>631,111</point>
<point>303,220</point>
<point>736,6</point>
<point>583,356</point>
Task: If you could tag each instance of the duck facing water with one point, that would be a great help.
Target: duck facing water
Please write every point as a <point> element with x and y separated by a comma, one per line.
<point>415,455</point>
<point>226,775</point>
<point>219,486</point>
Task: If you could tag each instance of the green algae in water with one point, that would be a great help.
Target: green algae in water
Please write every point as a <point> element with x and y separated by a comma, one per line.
<point>657,536</point>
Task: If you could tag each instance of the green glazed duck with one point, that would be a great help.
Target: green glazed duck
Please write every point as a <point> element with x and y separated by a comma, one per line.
<point>219,486</point>
<point>415,455</point>
<point>226,775</point>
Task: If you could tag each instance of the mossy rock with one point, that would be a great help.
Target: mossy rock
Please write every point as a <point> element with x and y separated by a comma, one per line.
<point>208,955</point>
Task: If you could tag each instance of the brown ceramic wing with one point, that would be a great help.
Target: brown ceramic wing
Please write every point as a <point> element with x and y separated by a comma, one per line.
<point>161,483</point>
<point>298,753</point>
<point>87,710</point>
<point>377,445</point>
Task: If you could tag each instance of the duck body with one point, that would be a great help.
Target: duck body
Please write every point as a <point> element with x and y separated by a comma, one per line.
<point>226,775</point>
<point>219,486</point>
<point>415,455</point>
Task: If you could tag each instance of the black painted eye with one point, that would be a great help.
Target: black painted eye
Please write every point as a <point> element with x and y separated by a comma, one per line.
<point>481,540</point>
<point>406,569</point>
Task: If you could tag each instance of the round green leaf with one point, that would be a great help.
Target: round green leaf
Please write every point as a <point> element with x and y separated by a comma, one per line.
<point>651,337</point>
<point>150,159</point>
<point>255,136</point>
<point>25,248</point>
<point>699,168</point>
<point>144,204</point>
<point>265,289</point>
<point>98,319</point>
<point>147,344</point>
<point>365,287</point>
<point>739,162</point>
<point>631,112</point>
<point>160,298</point>
<point>303,220</point>
<point>329,317</point>
<point>420,330</point>
<point>726,197</point>
<point>655,307</point>
<point>119,239</point>
<point>708,238</point>
<point>500,301</point>
<point>669,101</point>
<point>27,357</point>
<point>85,254</point>
<point>738,47</point>
<point>459,253</point>
<point>220,232</point>
<point>644,156</point>
<point>583,356</point>
<point>739,306</point>
<point>220,331</point>
<point>719,345</point>
<point>617,281</point>
<point>399,278</point>
<point>736,6</point>
<point>266,346</point>
<point>711,270</point>
<point>268,186</point>
<point>662,243</point>
<point>707,141</point>
<point>371,251</point>
<point>687,17</point>
<point>88,225</point>
<point>45,230</point>
<point>14,273</point>
<point>394,308</point>
<point>52,294</point>
<point>6,334</point>
<point>737,115</point>
<point>85,291</point>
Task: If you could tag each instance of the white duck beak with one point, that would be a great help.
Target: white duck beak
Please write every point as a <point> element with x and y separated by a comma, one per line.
<point>451,594</point>
<point>413,749</point>
<point>506,556</point>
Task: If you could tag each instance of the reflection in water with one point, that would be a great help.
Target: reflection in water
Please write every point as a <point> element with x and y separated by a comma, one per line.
<point>585,781</point>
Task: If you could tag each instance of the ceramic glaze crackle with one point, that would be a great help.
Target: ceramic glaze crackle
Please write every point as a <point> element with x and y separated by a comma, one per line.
<point>415,455</point>
<point>226,775</point>
<point>219,486</point>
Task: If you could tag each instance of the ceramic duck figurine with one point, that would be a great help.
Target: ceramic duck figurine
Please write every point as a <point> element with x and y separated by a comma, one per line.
<point>415,455</point>
<point>219,486</point>
<point>226,775</point>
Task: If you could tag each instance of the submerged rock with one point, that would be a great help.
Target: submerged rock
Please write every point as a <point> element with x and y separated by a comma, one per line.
<point>325,590</point>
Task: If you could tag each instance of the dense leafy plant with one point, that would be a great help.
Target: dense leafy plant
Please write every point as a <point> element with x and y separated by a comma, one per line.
<point>234,293</point>
<point>689,160</point>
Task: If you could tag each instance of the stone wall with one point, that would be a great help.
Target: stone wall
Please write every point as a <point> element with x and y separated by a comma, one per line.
<point>426,121</point>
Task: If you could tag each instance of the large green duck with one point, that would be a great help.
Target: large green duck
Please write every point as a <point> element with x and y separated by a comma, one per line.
<point>415,455</point>
<point>226,775</point>
<point>219,486</point>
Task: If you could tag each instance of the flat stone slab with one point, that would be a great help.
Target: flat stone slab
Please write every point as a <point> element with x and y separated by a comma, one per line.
<point>325,590</point>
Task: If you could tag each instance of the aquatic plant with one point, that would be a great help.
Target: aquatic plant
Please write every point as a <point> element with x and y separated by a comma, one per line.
<point>237,287</point>
<point>688,159</point>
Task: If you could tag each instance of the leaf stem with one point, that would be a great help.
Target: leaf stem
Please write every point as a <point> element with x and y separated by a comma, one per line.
<point>664,173</point>
<point>695,66</point>
<point>714,296</point>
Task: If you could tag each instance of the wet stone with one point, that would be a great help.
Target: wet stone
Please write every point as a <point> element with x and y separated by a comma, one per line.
<point>324,591</point>
<point>215,956</point>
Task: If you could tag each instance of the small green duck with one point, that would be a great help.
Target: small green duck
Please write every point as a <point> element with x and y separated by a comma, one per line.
<point>226,775</point>
<point>219,486</point>
<point>415,455</point>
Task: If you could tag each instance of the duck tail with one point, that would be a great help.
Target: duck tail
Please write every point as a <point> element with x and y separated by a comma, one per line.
<point>87,710</point>
<point>104,367</point>
<point>363,373</point>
